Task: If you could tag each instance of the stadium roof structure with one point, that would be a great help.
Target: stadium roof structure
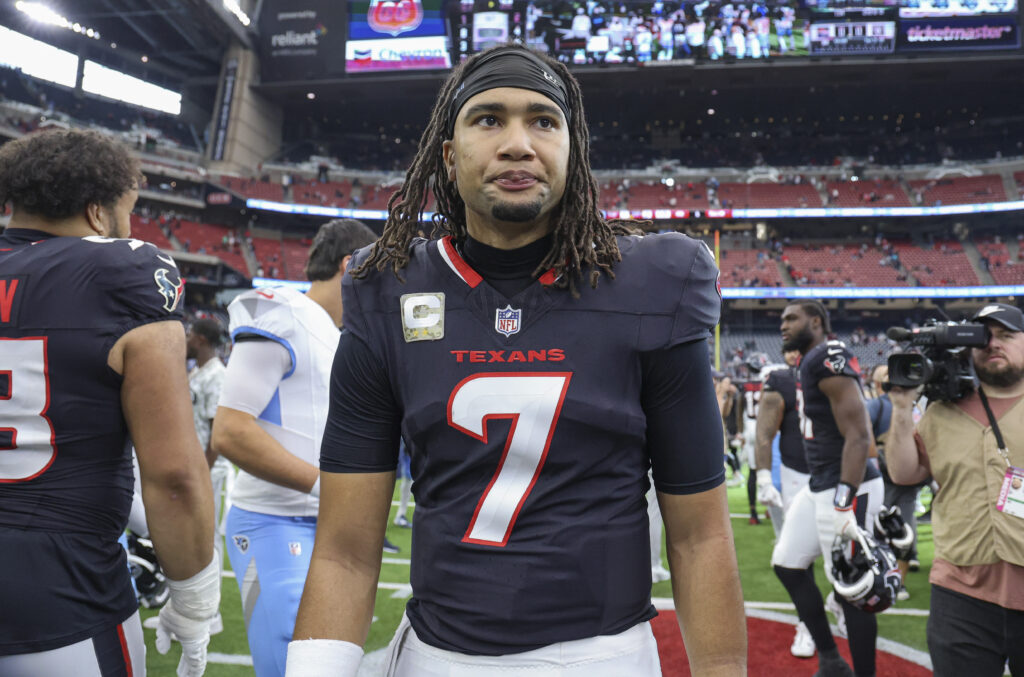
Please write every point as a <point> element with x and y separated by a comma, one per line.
<point>180,41</point>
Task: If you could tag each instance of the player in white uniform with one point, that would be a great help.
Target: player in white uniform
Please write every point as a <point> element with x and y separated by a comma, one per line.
<point>270,421</point>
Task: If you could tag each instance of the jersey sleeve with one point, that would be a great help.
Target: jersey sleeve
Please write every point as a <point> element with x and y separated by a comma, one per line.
<point>684,425</point>
<point>143,284</point>
<point>681,279</point>
<point>835,360</point>
<point>252,377</point>
<point>363,422</point>
<point>700,304</point>
<point>354,319</point>
<point>263,314</point>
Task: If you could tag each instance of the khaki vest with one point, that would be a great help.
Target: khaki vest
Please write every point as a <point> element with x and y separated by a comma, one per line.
<point>966,462</point>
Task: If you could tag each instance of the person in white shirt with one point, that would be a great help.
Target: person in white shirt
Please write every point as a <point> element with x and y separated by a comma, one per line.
<point>270,421</point>
<point>205,380</point>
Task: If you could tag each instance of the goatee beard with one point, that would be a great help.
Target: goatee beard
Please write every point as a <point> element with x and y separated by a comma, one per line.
<point>516,213</point>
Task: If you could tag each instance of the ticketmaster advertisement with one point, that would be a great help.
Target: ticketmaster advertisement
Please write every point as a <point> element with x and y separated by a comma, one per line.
<point>959,33</point>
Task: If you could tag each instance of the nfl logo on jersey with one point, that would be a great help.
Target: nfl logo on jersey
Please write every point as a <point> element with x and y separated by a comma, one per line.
<point>506,320</point>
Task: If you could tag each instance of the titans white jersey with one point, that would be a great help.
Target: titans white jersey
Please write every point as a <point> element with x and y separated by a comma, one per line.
<point>297,412</point>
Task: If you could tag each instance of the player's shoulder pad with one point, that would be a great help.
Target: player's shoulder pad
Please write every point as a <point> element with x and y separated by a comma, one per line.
<point>672,273</point>
<point>835,359</point>
<point>137,272</point>
<point>768,370</point>
<point>380,286</point>
<point>267,312</point>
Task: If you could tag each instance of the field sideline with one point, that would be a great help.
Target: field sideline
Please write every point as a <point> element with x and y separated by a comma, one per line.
<point>230,651</point>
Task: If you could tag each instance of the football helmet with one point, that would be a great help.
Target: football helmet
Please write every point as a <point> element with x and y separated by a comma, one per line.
<point>892,529</point>
<point>150,582</point>
<point>756,362</point>
<point>864,572</point>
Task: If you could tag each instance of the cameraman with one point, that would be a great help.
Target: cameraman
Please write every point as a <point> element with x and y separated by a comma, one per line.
<point>977,605</point>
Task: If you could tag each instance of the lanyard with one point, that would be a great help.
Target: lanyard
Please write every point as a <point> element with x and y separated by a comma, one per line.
<point>995,426</point>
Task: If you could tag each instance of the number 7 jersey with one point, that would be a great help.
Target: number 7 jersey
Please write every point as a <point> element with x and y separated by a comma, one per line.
<point>528,436</point>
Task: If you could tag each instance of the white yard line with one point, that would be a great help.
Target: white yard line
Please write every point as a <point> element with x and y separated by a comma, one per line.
<point>666,604</point>
<point>228,658</point>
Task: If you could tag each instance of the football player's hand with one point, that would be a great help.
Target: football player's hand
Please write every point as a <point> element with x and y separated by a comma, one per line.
<point>187,617</point>
<point>845,523</point>
<point>767,494</point>
<point>194,637</point>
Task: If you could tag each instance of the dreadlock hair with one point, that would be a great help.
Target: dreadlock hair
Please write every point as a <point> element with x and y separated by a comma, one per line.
<point>583,238</point>
<point>815,308</point>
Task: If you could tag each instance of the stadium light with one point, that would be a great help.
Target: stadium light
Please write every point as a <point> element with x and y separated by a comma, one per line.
<point>680,214</point>
<point>793,292</point>
<point>236,9</point>
<point>43,14</point>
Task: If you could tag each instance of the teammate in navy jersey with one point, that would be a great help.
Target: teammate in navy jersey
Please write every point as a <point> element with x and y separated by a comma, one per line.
<point>536,364</point>
<point>91,350</point>
<point>778,415</point>
<point>778,422</point>
<point>844,490</point>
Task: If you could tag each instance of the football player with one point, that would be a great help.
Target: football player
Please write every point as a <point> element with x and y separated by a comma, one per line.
<point>536,365</point>
<point>91,352</point>
<point>844,491</point>
<point>778,420</point>
<point>777,415</point>
<point>269,423</point>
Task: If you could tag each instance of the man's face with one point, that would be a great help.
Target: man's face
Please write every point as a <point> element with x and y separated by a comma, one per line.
<point>791,357</point>
<point>509,157</point>
<point>119,217</point>
<point>796,329</point>
<point>1001,362</point>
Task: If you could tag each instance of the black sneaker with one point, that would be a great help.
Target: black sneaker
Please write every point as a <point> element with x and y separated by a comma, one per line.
<point>390,547</point>
<point>403,521</point>
<point>833,667</point>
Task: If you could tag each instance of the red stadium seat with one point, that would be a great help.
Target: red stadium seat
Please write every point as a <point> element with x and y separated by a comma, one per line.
<point>869,193</point>
<point>945,263</point>
<point>960,190</point>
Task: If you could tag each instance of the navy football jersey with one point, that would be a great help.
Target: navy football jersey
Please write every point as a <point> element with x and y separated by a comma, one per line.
<point>823,443</point>
<point>528,430</point>
<point>791,445</point>
<point>65,463</point>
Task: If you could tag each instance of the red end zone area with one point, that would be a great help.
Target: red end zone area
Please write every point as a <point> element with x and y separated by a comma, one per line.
<point>768,652</point>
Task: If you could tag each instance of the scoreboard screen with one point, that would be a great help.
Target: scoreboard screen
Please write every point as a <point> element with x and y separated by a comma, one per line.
<point>925,9</point>
<point>396,35</point>
<point>853,37</point>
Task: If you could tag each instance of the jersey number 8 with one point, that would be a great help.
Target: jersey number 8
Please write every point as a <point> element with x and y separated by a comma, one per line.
<point>26,434</point>
<point>533,401</point>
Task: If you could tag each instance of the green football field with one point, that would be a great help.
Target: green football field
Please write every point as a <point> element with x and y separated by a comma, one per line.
<point>230,652</point>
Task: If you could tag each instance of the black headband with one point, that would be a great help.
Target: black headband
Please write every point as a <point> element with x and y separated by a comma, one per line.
<point>519,69</point>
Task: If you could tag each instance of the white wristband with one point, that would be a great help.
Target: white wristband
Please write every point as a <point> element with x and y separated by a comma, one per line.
<point>198,597</point>
<point>315,491</point>
<point>764,476</point>
<point>323,658</point>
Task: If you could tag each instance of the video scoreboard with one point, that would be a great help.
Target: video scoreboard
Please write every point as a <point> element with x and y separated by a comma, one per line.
<point>325,39</point>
